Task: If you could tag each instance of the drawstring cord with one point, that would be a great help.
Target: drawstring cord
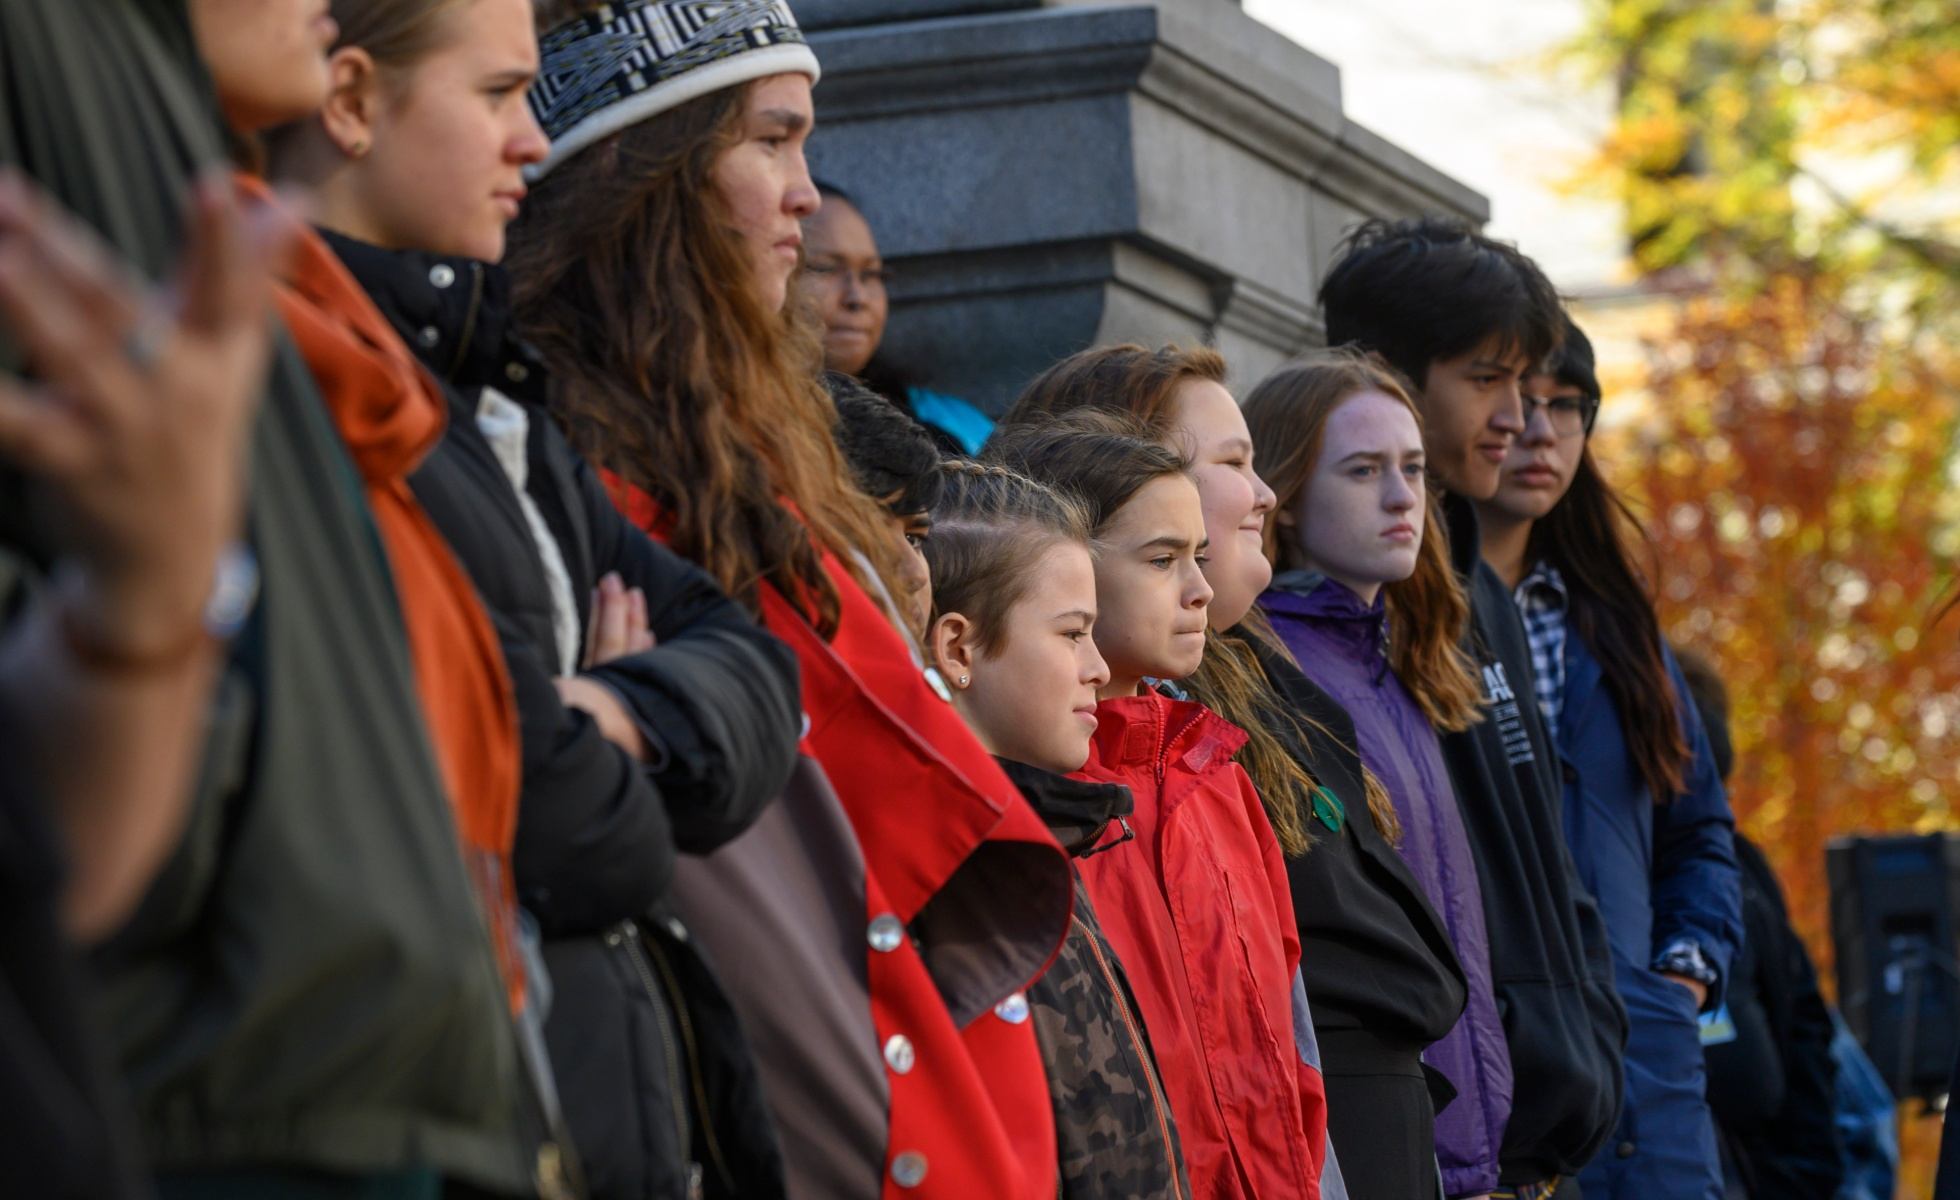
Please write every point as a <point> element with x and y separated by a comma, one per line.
<point>1381,647</point>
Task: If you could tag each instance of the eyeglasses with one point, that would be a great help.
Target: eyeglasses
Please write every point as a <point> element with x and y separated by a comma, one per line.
<point>1569,416</point>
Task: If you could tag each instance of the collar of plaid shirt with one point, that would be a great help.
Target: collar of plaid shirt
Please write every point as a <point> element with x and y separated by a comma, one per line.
<point>1542,599</point>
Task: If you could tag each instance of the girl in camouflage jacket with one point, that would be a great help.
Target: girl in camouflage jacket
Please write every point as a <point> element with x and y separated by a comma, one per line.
<point>1014,602</point>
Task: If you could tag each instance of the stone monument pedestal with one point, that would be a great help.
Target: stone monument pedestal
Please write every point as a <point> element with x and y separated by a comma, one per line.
<point>1045,178</point>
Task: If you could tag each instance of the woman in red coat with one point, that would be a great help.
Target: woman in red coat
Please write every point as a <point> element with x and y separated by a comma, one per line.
<point>1198,906</point>
<point>876,927</point>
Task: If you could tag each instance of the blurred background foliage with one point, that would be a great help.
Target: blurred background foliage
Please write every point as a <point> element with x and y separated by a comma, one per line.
<point>1753,136</point>
<point>1790,172</point>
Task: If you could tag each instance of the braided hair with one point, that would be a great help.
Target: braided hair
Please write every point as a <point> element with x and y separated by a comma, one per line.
<point>990,528</point>
<point>893,458</point>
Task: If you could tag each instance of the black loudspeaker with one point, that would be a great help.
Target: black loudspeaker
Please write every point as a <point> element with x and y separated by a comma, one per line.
<point>1895,916</point>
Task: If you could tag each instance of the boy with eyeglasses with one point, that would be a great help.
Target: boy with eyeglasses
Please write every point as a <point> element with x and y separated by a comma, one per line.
<point>1466,319</point>
<point>1645,814</point>
<point>1560,404</point>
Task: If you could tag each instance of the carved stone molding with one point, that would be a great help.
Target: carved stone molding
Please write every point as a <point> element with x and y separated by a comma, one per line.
<point>1046,177</point>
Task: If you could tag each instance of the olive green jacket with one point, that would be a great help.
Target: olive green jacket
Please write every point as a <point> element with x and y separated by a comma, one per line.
<point>309,983</point>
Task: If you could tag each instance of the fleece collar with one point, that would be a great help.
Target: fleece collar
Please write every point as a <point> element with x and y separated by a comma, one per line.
<point>1078,811</point>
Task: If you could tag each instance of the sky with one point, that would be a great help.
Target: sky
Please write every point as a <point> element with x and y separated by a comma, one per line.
<point>1465,85</point>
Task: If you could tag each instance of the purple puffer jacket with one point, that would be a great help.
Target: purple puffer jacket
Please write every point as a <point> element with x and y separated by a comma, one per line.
<point>1340,643</point>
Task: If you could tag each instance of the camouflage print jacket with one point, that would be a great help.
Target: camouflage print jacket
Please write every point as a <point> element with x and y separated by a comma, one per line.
<point>1113,1126</point>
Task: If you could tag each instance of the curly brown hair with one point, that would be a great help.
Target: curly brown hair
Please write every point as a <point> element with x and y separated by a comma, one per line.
<point>679,380</point>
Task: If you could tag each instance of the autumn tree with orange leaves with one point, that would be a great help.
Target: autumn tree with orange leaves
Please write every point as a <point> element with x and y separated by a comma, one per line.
<point>1798,482</point>
<point>1794,165</point>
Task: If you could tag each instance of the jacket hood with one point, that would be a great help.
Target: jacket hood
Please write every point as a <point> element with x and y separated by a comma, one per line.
<point>454,313</point>
<point>1078,811</point>
<point>1336,613</point>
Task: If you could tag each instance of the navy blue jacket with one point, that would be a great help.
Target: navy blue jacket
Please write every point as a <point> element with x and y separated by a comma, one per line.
<point>1660,872</point>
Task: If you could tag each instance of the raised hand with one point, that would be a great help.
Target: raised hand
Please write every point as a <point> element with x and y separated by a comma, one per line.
<point>136,421</point>
<point>133,432</point>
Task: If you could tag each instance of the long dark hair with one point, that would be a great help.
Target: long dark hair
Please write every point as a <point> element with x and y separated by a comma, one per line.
<point>677,378</point>
<point>1591,536</point>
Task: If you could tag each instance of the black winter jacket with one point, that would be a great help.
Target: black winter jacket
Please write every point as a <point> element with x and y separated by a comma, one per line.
<point>1773,1088</point>
<point>1549,958</point>
<point>638,1032</point>
<point>1378,964</point>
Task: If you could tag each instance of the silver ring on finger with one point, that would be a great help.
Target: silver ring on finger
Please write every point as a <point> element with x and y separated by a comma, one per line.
<point>143,344</point>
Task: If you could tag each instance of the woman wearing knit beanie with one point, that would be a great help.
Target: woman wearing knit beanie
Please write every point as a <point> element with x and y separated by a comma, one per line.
<point>876,927</point>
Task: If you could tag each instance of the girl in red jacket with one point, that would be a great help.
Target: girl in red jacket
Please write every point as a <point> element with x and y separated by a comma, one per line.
<point>1014,609</point>
<point>1197,906</point>
<point>863,926</point>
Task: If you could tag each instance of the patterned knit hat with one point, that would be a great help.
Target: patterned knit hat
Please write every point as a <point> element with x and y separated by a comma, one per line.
<point>618,64</point>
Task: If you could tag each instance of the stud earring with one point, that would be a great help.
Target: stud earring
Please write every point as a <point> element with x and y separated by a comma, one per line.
<point>964,679</point>
<point>358,148</point>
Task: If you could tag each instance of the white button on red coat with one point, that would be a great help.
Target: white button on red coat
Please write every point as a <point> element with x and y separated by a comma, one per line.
<point>909,1169</point>
<point>887,933</point>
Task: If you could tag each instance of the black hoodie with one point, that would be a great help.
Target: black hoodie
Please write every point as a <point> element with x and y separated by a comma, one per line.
<point>1549,957</point>
<point>1378,963</point>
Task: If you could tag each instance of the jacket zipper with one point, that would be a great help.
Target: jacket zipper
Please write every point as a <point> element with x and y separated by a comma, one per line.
<point>1170,739</point>
<point>1136,1044</point>
<point>693,1064</point>
<point>469,322</point>
<point>628,934</point>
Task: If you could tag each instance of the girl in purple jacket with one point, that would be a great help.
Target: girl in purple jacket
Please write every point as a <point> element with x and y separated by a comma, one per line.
<point>1365,599</point>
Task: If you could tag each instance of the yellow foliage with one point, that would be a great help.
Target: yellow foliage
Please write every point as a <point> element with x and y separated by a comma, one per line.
<point>1728,106</point>
<point>1803,160</point>
<point>1798,453</point>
